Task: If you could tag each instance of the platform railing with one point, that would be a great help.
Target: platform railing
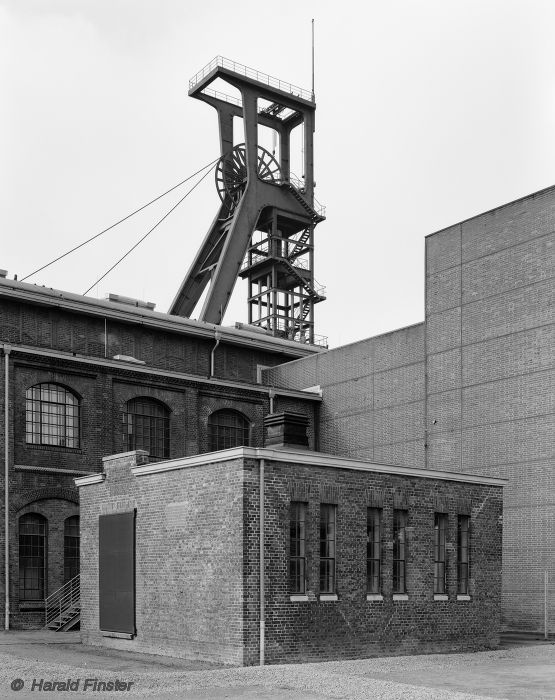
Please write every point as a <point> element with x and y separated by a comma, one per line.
<point>252,73</point>
<point>300,186</point>
<point>59,602</point>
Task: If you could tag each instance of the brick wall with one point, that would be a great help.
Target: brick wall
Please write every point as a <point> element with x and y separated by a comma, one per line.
<point>189,564</point>
<point>490,339</point>
<point>373,396</point>
<point>39,472</point>
<point>81,334</point>
<point>197,561</point>
<point>353,627</point>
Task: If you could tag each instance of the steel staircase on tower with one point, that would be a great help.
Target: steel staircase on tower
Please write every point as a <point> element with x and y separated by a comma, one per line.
<point>313,293</point>
<point>314,215</point>
<point>299,244</point>
<point>63,607</point>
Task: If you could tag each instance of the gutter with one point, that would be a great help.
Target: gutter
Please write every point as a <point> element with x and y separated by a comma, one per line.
<point>7,350</point>
<point>42,296</point>
<point>157,372</point>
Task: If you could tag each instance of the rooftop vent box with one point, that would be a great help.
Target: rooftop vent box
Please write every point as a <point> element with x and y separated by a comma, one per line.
<point>250,327</point>
<point>3,273</point>
<point>129,301</point>
<point>129,358</point>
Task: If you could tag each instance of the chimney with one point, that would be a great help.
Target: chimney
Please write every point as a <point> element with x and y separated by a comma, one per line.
<point>286,429</point>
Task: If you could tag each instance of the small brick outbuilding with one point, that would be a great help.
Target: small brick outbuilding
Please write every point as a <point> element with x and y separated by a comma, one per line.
<point>358,559</point>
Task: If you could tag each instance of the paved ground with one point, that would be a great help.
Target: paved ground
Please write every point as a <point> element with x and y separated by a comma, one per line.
<point>523,672</point>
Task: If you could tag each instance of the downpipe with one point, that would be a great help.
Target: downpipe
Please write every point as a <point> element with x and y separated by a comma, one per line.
<point>262,632</point>
<point>217,337</point>
<point>7,350</point>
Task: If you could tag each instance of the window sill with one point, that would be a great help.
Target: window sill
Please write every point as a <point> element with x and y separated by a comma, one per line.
<point>328,597</point>
<point>117,635</point>
<point>400,596</point>
<point>440,596</point>
<point>54,448</point>
<point>298,597</point>
<point>463,597</point>
<point>32,605</point>
<point>374,596</point>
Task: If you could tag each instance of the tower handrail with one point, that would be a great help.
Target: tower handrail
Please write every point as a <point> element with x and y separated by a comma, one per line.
<point>64,598</point>
<point>300,186</point>
<point>241,69</point>
<point>217,94</point>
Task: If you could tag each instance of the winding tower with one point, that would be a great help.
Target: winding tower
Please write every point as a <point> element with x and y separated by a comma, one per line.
<point>264,228</point>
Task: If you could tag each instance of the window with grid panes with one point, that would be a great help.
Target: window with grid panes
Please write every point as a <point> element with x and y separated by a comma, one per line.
<point>440,563</point>
<point>373,550</point>
<point>463,553</point>
<point>71,547</point>
<point>297,552</point>
<point>399,551</point>
<point>32,556</point>
<point>227,428</point>
<point>51,416</point>
<point>327,547</point>
<point>146,426</point>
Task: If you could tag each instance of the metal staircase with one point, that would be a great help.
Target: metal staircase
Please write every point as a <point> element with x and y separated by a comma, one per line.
<point>299,245</point>
<point>315,294</point>
<point>63,607</point>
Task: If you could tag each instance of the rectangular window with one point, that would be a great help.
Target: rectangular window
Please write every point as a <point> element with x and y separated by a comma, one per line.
<point>463,553</point>
<point>327,548</point>
<point>297,552</point>
<point>440,567</point>
<point>399,551</point>
<point>373,550</point>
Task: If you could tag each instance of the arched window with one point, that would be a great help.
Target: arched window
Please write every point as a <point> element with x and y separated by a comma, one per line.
<point>71,547</point>
<point>227,428</point>
<point>51,416</point>
<point>146,426</point>
<point>32,556</point>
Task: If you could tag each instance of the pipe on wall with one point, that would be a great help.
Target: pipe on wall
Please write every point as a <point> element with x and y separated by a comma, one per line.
<point>7,349</point>
<point>261,564</point>
<point>217,337</point>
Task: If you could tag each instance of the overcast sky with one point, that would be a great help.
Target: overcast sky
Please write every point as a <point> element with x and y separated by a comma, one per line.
<point>428,112</point>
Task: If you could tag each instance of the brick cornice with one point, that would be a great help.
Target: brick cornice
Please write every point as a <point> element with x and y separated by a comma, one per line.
<point>26,497</point>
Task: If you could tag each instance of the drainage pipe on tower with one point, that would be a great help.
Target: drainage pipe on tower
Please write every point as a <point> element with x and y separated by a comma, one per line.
<point>7,350</point>
<point>261,565</point>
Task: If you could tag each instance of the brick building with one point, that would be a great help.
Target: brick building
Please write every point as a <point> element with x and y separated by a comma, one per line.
<point>195,528</point>
<point>86,378</point>
<point>464,398</point>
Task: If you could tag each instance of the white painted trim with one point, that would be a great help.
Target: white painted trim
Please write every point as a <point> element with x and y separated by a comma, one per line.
<point>117,635</point>
<point>51,470</point>
<point>315,459</point>
<point>440,596</point>
<point>374,597</point>
<point>156,372</point>
<point>328,597</point>
<point>463,597</point>
<point>298,598</point>
<point>119,455</point>
<point>89,480</point>
<point>190,462</point>
<point>400,596</point>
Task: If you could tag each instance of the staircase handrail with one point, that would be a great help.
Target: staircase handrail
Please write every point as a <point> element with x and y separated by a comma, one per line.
<point>300,187</point>
<point>62,599</point>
